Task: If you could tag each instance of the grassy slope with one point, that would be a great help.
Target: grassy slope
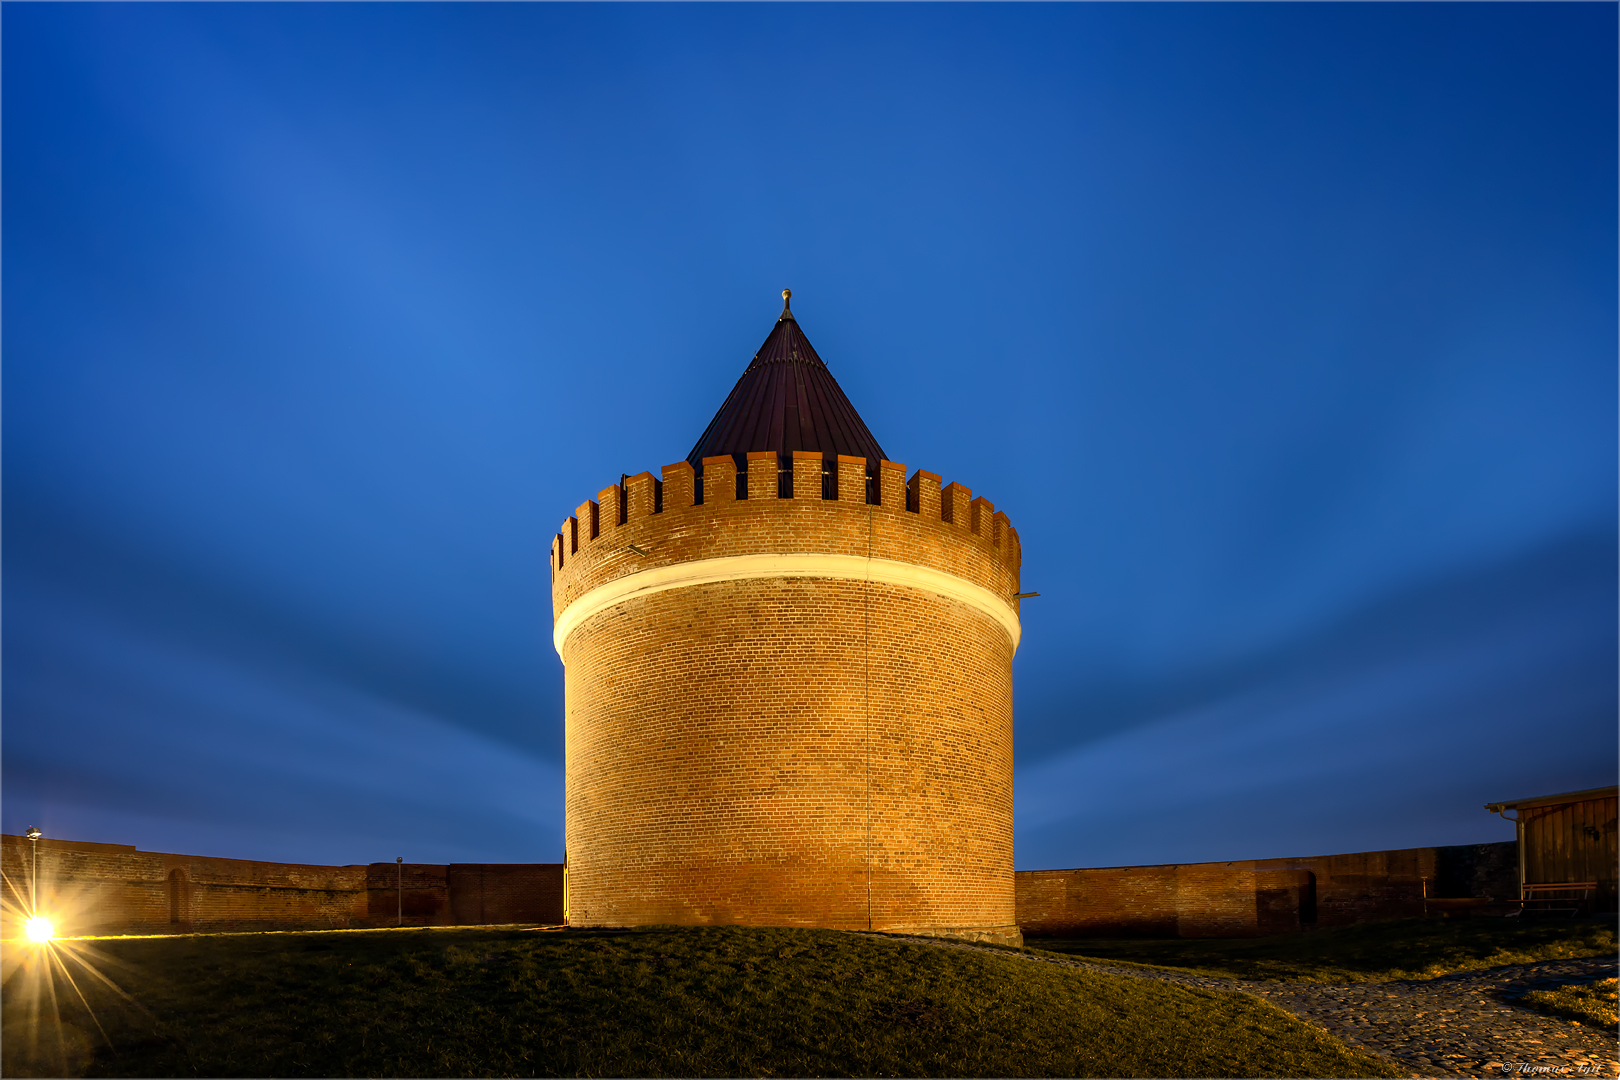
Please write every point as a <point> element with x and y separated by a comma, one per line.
<point>694,1002</point>
<point>1593,1004</point>
<point>1370,952</point>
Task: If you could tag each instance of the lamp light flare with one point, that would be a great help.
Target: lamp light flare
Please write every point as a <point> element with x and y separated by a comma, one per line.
<point>39,929</point>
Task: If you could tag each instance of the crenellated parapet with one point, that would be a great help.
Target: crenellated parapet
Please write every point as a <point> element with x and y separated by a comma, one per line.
<point>804,505</point>
<point>788,679</point>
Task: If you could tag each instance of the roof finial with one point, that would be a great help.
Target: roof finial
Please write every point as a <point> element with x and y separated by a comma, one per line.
<point>786,314</point>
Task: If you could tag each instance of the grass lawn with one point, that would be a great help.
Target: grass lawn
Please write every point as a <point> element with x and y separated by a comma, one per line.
<point>1594,1003</point>
<point>1369,952</point>
<point>658,1002</point>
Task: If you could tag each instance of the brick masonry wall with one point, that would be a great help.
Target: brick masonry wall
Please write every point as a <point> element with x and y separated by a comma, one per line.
<point>113,888</point>
<point>950,530</point>
<point>465,894</point>
<point>88,888</point>
<point>485,893</point>
<point>1257,897</point>
<point>107,888</point>
<point>408,894</point>
<point>789,751</point>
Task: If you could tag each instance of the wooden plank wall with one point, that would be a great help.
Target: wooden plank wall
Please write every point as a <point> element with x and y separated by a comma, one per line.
<point>1573,842</point>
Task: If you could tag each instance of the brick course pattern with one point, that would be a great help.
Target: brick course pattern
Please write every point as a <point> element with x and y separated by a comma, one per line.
<point>790,750</point>
<point>1261,896</point>
<point>88,888</point>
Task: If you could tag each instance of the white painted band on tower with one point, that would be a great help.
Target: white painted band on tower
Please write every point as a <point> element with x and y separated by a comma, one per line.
<point>745,567</point>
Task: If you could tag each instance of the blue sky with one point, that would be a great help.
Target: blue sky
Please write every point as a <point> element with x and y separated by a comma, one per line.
<point>1285,334</point>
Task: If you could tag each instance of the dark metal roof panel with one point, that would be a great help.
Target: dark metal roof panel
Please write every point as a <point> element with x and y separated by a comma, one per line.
<point>786,400</point>
<point>1550,800</point>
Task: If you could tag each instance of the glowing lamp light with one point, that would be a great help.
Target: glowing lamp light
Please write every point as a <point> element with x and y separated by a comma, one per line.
<point>40,930</point>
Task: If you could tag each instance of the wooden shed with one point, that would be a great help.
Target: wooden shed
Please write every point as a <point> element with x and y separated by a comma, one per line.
<point>1567,851</point>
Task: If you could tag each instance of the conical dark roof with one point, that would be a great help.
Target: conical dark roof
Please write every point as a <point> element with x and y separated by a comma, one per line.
<point>786,400</point>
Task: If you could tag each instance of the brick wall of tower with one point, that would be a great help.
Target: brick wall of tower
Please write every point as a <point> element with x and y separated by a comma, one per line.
<point>789,751</point>
<point>918,521</point>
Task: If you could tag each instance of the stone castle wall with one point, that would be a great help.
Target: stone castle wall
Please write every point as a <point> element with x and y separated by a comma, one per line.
<point>1259,897</point>
<point>87,888</point>
<point>789,711</point>
<point>91,888</point>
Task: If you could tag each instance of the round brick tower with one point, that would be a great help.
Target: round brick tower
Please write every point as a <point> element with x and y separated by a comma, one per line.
<point>789,679</point>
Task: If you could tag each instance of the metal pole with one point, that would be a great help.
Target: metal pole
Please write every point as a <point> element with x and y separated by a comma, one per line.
<point>33,835</point>
<point>399,895</point>
<point>1518,831</point>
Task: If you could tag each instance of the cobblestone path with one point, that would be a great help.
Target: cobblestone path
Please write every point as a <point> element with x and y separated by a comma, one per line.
<point>1457,1025</point>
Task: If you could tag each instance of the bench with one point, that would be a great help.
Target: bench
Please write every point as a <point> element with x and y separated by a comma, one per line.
<point>1542,893</point>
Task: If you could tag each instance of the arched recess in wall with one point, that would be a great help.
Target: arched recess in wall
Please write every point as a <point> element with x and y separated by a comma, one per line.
<point>178,897</point>
<point>1307,899</point>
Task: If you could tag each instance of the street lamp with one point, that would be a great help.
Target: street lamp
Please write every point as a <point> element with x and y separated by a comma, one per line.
<point>38,929</point>
<point>33,835</point>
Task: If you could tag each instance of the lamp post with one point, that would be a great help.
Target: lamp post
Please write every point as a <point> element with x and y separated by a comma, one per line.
<point>399,888</point>
<point>33,835</point>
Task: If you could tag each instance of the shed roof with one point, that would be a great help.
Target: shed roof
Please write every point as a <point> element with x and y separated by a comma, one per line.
<point>786,400</point>
<point>1553,800</point>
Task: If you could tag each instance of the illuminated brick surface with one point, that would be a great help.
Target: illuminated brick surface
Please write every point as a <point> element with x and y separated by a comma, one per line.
<point>115,888</point>
<point>789,751</point>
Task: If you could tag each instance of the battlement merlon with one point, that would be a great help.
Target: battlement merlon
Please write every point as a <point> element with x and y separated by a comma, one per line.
<point>842,505</point>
